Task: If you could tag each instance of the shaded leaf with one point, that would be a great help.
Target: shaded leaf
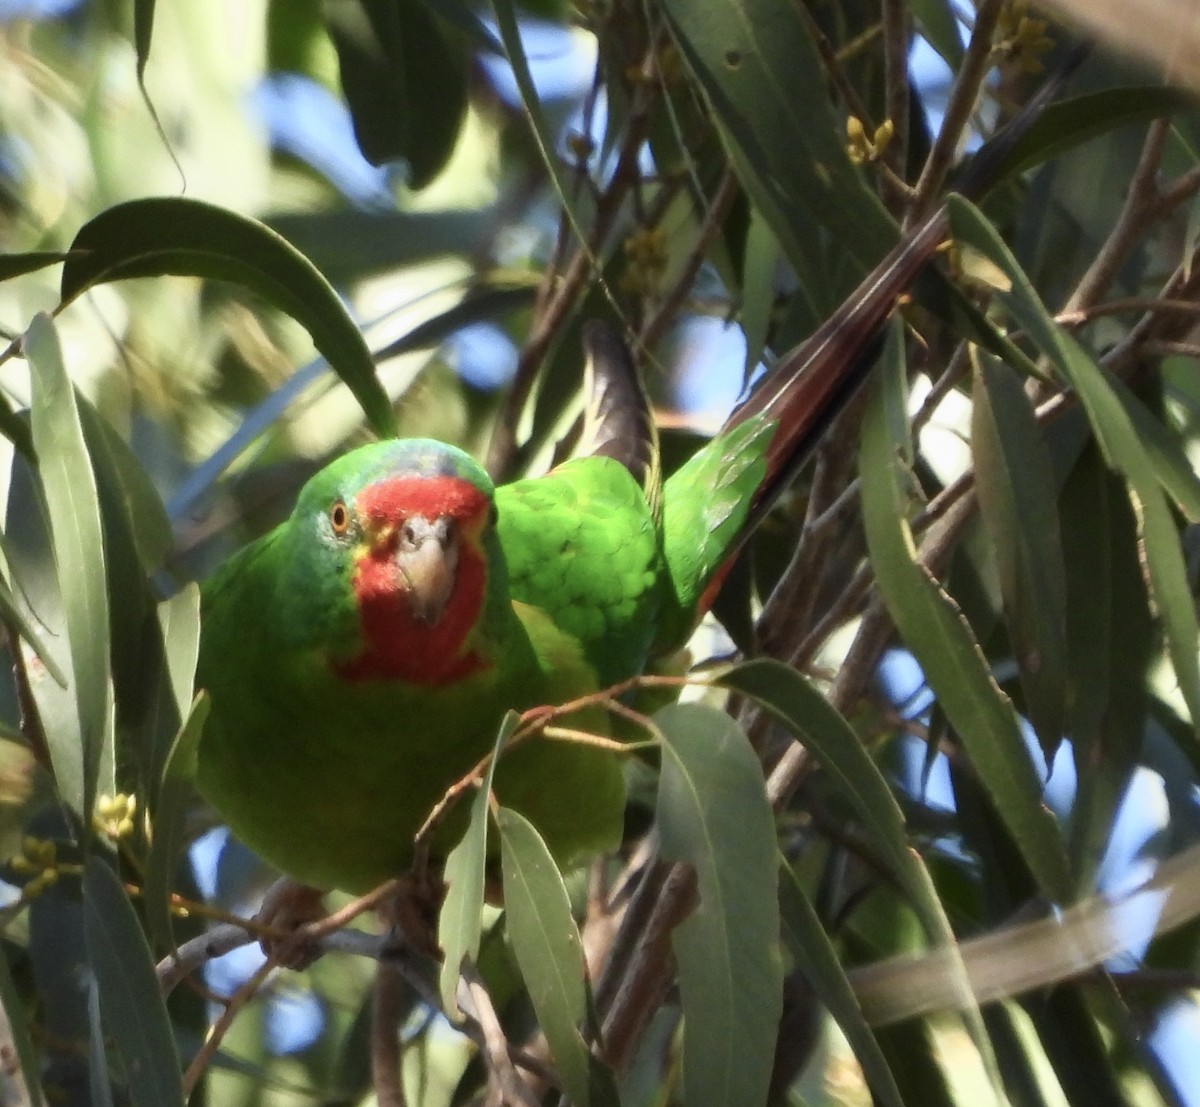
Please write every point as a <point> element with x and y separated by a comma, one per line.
<point>712,813</point>
<point>934,630</point>
<point>131,1006</point>
<point>14,265</point>
<point>15,618</point>
<point>404,80</point>
<point>159,236</point>
<point>170,838</point>
<point>1069,123</point>
<point>816,957</point>
<point>546,942</point>
<point>756,62</point>
<point>1014,477</point>
<point>17,1031</point>
<point>1120,443</point>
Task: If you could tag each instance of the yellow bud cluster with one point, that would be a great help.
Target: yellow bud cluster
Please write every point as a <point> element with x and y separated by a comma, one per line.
<point>647,254</point>
<point>1021,38</point>
<point>38,860</point>
<point>863,148</point>
<point>114,815</point>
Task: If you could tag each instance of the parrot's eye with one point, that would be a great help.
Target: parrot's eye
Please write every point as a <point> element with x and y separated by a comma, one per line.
<point>339,518</point>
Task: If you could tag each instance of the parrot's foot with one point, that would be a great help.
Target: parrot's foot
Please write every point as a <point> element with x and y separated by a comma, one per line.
<point>412,913</point>
<point>286,908</point>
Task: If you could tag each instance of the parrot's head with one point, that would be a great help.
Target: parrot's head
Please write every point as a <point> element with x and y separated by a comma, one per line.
<point>394,541</point>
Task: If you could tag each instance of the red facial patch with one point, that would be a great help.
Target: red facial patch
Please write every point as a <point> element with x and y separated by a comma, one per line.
<point>398,645</point>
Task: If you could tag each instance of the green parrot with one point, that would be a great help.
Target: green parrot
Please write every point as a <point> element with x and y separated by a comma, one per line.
<point>361,656</point>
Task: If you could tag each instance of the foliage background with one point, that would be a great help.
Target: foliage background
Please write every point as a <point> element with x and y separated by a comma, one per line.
<point>989,567</point>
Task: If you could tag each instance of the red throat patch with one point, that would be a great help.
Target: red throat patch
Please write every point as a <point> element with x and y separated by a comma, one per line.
<point>397,645</point>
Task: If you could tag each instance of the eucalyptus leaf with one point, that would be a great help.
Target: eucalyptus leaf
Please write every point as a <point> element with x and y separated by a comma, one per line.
<point>460,922</point>
<point>131,1005</point>
<point>1119,440</point>
<point>934,630</point>
<point>71,499</point>
<point>173,235</point>
<point>550,955</point>
<point>712,813</point>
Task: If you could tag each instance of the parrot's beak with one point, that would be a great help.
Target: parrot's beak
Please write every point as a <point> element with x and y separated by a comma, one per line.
<point>427,559</point>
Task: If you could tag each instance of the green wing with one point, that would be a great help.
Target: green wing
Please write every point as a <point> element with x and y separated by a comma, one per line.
<point>582,547</point>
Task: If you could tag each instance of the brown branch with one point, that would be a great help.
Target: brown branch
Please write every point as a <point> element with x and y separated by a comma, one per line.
<point>387,993</point>
<point>495,1051</point>
<point>1137,213</point>
<point>897,28</point>
<point>714,220</point>
<point>220,1028</point>
<point>558,306</point>
<point>977,61</point>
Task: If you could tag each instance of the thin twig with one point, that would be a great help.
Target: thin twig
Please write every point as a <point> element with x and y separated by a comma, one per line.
<point>897,30</point>
<point>961,106</point>
<point>218,1030</point>
<point>1137,213</point>
<point>558,306</point>
<point>475,1000</point>
<point>386,1008</point>
<point>714,220</point>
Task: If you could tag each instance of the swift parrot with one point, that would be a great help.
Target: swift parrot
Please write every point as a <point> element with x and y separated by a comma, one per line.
<point>361,656</point>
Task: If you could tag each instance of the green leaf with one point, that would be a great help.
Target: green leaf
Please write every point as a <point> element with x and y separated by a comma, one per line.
<point>460,923</point>
<point>1123,449</point>
<point>1065,124</point>
<point>15,618</point>
<point>1014,477</point>
<point>550,955</point>
<point>938,21</point>
<point>543,137</point>
<point>347,244</point>
<point>14,265</point>
<point>405,81</point>
<point>934,630</point>
<point>169,820</point>
<point>713,813</point>
<point>131,1006</point>
<point>1166,453</point>
<point>817,959</point>
<point>807,714</point>
<point>757,64</point>
<point>28,1087</point>
<point>810,717</point>
<point>69,489</point>
<point>173,235</point>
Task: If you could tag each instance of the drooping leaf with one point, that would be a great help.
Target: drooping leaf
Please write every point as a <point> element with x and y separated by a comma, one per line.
<point>816,957</point>
<point>756,62</point>
<point>1122,447</point>
<point>175,792</point>
<point>172,235</point>
<point>712,813</point>
<point>1014,479</point>
<point>953,663</point>
<point>69,489</point>
<point>460,921</point>
<point>131,1005</point>
<point>405,79</point>
<point>546,942</point>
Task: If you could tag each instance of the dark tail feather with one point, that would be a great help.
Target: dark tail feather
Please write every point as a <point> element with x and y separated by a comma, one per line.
<point>813,383</point>
<point>618,420</point>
